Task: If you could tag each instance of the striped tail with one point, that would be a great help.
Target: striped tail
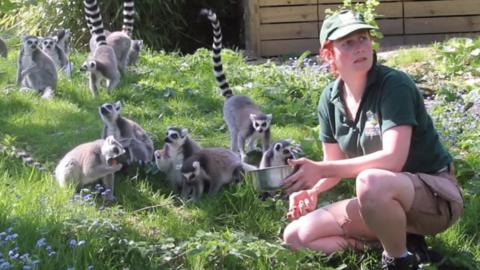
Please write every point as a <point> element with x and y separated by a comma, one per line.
<point>217,49</point>
<point>26,157</point>
<point>94,21</point>
<point>128,12</point>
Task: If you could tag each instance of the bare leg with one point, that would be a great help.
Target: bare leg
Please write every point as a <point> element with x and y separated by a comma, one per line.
<point>305,232</point>
<point>384,198</point>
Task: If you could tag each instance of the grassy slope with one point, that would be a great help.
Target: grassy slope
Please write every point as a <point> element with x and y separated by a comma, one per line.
<point>232,230</point>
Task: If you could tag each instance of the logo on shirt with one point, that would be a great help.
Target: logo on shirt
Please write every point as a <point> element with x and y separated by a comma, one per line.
<point>372,125</point>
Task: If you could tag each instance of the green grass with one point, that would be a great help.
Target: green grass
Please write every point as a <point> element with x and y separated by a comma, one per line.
<point>150,228</point>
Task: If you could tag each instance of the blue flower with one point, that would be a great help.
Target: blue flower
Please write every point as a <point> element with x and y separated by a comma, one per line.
<point>73,243</point>
<point>90,267</point>
<point>41,242</point>
<point>5,265</point>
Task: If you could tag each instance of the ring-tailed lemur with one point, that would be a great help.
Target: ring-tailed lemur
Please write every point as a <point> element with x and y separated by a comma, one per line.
<point>244,118</point>
<point>36,70</point>
<point>90,161</point>
<point>212,167</point>
<point>102,61</point>
<point>120,41</point>
<point>278,153</point>
<point>3,48</point>
<point>138,144</point>
<point>178,147</point>
<point>50,46</point>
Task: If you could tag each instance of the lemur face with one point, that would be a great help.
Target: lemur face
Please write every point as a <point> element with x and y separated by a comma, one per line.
<point>30,43</point>
<point>175,136</point>
<point>48,43</point>
<point>261,123</point>
<point>111,149</point>
<point>89,65</point>
<point>284,150</point>
<point>109,111</point>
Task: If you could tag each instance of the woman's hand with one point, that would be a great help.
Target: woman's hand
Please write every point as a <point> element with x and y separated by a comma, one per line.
<point>305,177</point>
<point>301,203</point>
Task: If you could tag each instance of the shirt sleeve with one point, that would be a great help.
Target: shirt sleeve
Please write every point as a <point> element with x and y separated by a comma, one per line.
<point>399,101</point>
<point>325,117</point>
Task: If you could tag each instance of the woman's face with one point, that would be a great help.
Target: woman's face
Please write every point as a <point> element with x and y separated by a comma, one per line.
<point>353,53</point>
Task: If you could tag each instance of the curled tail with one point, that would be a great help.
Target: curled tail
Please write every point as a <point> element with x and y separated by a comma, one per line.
<point>128,11</point>
<point>94,21</point>
<point>217,49</point>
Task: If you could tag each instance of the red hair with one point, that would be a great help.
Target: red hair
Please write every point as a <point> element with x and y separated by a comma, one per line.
<point>327,53</point>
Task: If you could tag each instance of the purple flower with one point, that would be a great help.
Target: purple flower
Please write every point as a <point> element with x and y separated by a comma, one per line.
<point>41,242</point>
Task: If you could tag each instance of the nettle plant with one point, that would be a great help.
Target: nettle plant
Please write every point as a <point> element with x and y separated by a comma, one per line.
<point>458,57</point>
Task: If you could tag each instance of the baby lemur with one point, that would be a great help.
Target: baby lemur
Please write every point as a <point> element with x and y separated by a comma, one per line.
<point>244,118</point>
<point>138,144</point>
<point>210,169</point>
<point>178,147</point>
<point>90,161</point>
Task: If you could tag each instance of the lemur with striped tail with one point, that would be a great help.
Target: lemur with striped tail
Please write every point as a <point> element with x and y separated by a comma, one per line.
<point>102,61</point>
<point>120,41</point>
<point>244,118</point>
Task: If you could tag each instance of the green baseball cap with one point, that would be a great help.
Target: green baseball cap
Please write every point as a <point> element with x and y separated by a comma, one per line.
<point>341,24</point>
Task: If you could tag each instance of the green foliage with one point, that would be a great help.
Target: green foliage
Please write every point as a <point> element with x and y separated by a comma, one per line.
<point>458,56</point>
<point>151,228</point>
<point>168,24</point>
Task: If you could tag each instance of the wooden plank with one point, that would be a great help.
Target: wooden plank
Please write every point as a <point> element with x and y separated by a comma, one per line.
<point>252,25</point>
<point>386,10</point>
<point>442,8</point>
<point>391,41</point>
<point>263,3</point>
<point>288,14</point>
<point>289,31</point>
<point>390,26</point>
<point>290,47</point>
<point>430,38</point>
<point>354,1</point>
<point>442,25</point>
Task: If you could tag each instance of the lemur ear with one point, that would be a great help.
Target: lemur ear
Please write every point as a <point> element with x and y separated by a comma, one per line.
<point>110,139</point>
<point>184,132</point>
<point>253,116</point>
<point>269,117</point>
<point>196,165</point>
<point>278,146</point>
<point>118,105</point>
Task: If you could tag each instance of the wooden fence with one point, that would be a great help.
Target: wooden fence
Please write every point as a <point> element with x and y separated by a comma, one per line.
<point>279,27</point>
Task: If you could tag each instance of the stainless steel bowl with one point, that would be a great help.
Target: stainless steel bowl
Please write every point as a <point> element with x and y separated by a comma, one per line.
<point>271,178</point>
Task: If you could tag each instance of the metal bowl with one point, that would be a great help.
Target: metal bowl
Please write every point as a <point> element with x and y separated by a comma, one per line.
<point>271,178</point>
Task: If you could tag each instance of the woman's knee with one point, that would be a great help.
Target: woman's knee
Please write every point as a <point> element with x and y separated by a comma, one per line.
<point>290,236</point>
<point>371,187</point>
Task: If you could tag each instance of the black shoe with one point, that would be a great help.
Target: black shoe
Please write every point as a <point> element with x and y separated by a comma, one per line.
<point>405,263</point>
<point>417,245</point>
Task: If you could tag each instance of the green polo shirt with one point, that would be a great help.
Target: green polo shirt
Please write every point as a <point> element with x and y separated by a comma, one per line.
<point>391,99</point>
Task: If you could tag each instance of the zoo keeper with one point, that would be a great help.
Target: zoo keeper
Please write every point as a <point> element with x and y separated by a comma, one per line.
<point>374,128</point>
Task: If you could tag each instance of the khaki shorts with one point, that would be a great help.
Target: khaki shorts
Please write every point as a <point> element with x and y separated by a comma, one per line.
<point>438,202</point>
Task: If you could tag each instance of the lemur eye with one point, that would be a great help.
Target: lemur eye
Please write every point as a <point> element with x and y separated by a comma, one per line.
<point>286,151</point>
<point>116,151</point>
<point>109,107</point>
<point>29,42</point>
<point>264,124</point>
<point>174,136</point>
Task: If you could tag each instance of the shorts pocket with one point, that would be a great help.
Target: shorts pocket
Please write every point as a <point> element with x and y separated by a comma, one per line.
<point>442,187</point>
